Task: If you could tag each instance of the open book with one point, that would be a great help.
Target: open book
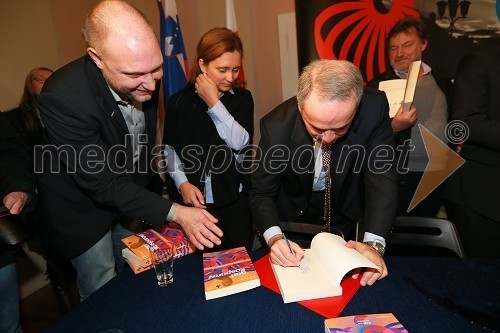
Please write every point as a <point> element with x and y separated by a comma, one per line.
<point>401,91</point>
<point>321,270</point>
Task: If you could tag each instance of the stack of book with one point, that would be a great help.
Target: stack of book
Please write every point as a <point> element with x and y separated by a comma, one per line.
<point>137,251</point>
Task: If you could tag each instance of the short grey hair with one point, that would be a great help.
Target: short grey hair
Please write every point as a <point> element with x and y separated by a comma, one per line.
<point>330,80</point>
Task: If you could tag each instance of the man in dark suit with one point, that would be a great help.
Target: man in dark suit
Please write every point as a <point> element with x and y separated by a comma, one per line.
<point>100,116</point>
<point>474,189</point>
<point>289,180</point>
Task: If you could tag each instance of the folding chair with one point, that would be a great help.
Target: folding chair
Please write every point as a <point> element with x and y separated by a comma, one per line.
<point>426,232</point>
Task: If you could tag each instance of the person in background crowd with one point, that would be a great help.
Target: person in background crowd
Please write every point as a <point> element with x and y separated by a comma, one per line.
<point>27,122</point>
<point>18,194</point>
<point>26,117</point>
<point>406,42</point>
<point>473,190</point>
<point>219,118</point>
<point>104,105</point>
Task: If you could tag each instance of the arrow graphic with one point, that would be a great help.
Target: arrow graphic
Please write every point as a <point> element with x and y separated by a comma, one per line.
<point>434,174</point>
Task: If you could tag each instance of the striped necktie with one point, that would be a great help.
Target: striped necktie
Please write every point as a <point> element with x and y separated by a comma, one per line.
<point>326,155</point>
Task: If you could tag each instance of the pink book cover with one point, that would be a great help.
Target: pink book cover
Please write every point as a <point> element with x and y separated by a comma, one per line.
<point>381,322</point>
<point>166,236</point>
<point>228,269</point>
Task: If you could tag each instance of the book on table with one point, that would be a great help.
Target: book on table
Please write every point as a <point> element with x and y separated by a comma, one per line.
<point>381,322</point>
<point>321,270</point>
<point>137,250</point>
<point>228,272</point>
<point>328,307</point>
<point>401,91</point>
<point>136,268</point>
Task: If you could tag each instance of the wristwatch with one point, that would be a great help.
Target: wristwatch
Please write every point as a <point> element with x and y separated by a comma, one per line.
<point>377,246</point>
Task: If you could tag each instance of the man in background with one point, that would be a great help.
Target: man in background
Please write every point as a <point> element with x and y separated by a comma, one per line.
<point>406,42</point>
<point>473,189</point>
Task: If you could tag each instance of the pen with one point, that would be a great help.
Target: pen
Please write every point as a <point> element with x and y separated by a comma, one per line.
<point>288,243</point>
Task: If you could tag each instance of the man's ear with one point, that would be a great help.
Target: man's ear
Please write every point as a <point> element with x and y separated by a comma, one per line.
<point>424,46</point>
<point>95,57</point>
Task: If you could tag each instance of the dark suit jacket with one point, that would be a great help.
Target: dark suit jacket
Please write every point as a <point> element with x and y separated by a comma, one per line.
<point>80,201</point>
<point>282,189</point>
<point>15,164</point>
<point>477,103</point>
<point>15,176</point>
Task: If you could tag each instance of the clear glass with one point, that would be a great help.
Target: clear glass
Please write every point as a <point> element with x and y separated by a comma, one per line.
<point>163,263</point>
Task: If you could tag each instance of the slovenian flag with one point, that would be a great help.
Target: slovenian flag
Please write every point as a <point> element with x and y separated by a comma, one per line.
<point>175,65</point>
<point>231,25</point>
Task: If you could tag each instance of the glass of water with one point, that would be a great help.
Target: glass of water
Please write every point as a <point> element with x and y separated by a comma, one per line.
<point>163,263</point>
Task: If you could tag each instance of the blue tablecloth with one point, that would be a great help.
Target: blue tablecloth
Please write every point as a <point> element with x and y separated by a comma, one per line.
<point>425,294</point>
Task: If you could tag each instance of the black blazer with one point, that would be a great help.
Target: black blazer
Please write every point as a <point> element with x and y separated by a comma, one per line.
<point>15,176</point>
<point>79,201</point>
<point>477,103</point>
<point>282,189</point>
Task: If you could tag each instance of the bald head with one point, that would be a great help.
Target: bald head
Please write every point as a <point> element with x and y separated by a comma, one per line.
<point>115,20</point>
<point>125,49</point>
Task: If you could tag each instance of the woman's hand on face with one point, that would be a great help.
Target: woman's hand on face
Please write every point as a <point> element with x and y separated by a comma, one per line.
<point>206,88</point>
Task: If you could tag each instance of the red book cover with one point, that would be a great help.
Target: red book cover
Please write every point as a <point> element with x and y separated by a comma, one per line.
<point>329,307</point>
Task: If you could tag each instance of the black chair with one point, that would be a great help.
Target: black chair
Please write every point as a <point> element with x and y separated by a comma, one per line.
<point>416,232</point>
<point>300,233</point>
<point>13,228</point>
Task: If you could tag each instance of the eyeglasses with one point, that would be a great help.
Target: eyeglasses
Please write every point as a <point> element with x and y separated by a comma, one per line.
<point>39,79</point>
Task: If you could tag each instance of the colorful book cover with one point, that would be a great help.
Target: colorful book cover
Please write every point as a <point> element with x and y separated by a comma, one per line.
<point>381,322</point>
<point>228,272</point>
<point>139,243</point>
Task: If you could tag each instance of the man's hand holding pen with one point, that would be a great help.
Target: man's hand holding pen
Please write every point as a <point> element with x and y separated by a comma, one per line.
<point>284,252</point>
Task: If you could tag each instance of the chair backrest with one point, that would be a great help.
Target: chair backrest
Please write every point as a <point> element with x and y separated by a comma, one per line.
<point>426,231</point>
<point>301,233</point>
<point>13,229</point>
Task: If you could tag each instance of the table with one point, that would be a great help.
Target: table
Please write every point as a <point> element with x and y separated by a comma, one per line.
<point>425,294</point>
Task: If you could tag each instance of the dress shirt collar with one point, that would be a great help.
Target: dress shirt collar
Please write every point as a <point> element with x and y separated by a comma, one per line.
<point>426,68</point>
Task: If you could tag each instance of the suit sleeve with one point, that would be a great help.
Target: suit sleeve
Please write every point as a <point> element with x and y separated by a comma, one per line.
<point>16,172</point>
<point>266,180</point>
<point>79,133</point>
<point>380,179</point>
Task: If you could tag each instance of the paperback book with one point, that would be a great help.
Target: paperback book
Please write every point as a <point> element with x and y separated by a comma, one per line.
<point>401,91</point>
<point>381,322</point>
<point>137,250</point>
<point>228,272</point>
